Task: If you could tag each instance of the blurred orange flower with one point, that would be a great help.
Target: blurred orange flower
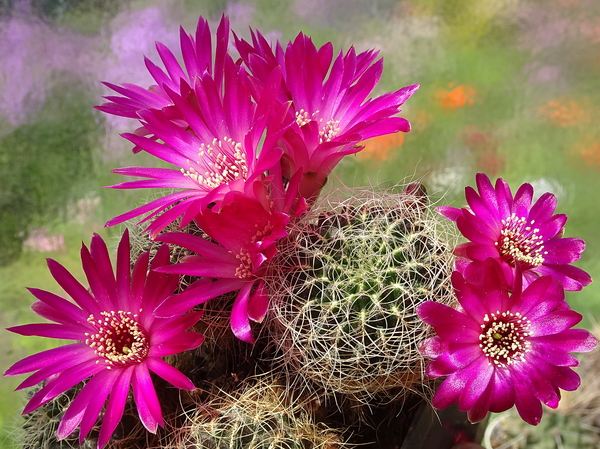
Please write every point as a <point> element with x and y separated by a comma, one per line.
<point>377,148</point>
<point>457,97</point>
<point>591,155</point>
<point>419,119</point>
<point>563,112</point>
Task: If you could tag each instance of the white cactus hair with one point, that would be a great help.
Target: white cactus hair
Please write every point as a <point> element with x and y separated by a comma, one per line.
<point>344,306</point>
<point>260,414</point>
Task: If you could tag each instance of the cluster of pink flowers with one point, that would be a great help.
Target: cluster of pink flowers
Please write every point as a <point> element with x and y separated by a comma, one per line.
<point>508,342</point>
<point>252,140</point>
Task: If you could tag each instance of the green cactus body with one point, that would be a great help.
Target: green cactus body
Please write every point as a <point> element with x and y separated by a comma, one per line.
<point>345,311</point>
<point>260,417</point>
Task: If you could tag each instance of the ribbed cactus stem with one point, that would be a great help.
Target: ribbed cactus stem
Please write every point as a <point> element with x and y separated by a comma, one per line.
<point>345,300</point>
<point>260,415</point>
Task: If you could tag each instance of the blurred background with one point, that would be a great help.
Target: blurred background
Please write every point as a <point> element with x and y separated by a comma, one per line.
<point>508,87</point>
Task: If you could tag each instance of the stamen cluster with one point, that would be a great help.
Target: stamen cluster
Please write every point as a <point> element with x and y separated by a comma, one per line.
<point>521,243</point>
<point>120,339</point>
<point>504,337</point>
<point>329,131</point>
<point>245,269</point>
<point>225,161</point>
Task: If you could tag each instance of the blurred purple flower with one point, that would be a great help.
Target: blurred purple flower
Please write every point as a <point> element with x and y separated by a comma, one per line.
<point>500,350</point>
<point>119,339</point>
<point>516,233</point>
<point>329,103</point>
<point>31,54</point>
<point>245,233</point>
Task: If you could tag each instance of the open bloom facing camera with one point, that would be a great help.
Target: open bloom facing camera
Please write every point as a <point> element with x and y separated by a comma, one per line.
<point>330,103</point>
<point>515,232</point>
<point>118,340</point>
<point>501,349</point>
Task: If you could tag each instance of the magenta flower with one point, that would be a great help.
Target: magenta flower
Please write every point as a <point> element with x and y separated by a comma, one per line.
<point>119,340</point>
<point>209,126</point>
<point>500,350</point>
<point>197,55</point>
<point>516,233</point>
<point>330,103</point>
<point>245,233</point>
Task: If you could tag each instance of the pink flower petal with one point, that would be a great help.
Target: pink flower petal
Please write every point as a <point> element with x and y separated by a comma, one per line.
<point>543,208</point>
<point>528,406</point>
<point>51,330</point>
<point>61,383</point>
<point>502,392</point>
<point>450,324</point>
<point>72,313</point>
<point>569,340</point>
<point>73,288</point>
<point>164,329</point>
<point>67,360</point>
<point>451,213</point>
<point>123,271</point>
<point>48,358</point>
<point>146,400</point>
<point>191,297</point>
<point>258,304</point>
<point>572,278</point>
<point>88,402</point>
<point>563,250</point>
<point>454,360</point>
<point>481,372</point>
<point>179,343</point>
<point>240,323</point>
<point>197,244</point>
<point>170,374</point>
<point>96,283</point>
<point>554,322</point>
<point>115,406</point>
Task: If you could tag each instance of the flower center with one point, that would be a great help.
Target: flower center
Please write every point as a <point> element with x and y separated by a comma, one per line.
<point>329,131</point>
<point>119,338</point>
<point>218,163</point>
<point>503,337</point>
<point>520,242</point>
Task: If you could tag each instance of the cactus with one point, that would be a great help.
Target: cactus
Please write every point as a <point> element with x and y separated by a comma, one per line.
<point>39,428</point>
<point>344,302</point>
<point>259,415</point>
